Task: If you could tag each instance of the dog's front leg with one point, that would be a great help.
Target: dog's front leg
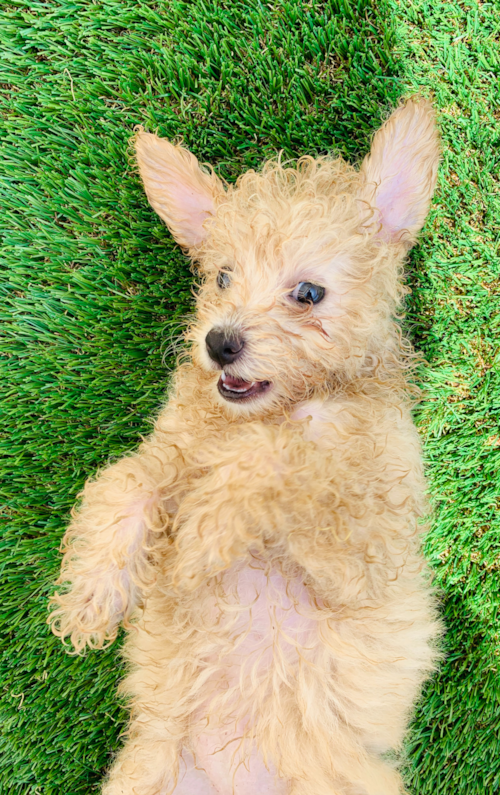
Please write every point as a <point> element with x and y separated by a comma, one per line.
<point>108,562</point>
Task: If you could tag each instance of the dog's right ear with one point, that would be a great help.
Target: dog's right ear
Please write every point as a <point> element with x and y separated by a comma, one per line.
<point>183,194</point>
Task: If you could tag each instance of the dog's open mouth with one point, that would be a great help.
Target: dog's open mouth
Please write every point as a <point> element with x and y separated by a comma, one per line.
<point>236,389</point>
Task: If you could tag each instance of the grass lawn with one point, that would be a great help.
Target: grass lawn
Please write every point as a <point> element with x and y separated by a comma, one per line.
<point>93,291</point>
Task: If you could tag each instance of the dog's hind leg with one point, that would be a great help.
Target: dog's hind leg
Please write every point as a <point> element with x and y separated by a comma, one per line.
<point>361,776</point>
<point>151,764</point>
<point>336,786</point>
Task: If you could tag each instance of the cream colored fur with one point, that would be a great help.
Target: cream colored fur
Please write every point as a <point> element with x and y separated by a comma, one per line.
<point>265,555</point>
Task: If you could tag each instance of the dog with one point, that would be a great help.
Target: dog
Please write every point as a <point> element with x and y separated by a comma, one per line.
<point>262,545</point>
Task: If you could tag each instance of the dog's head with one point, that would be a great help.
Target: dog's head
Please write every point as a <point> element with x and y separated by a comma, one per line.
<point>300,264</point>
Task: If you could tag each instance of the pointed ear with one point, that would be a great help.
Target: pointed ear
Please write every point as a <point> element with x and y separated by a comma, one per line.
<point>183,194</point>
<point>399,174</point>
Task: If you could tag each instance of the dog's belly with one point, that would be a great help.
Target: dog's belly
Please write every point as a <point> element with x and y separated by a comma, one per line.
<point>264,633</point>
<point>215,772</point>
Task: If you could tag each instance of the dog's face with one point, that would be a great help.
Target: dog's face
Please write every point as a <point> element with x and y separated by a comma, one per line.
<point>300,265</point>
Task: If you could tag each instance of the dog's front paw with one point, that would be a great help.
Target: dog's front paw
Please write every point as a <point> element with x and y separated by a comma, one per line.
<point>106,568</point>
<point>90,612</point>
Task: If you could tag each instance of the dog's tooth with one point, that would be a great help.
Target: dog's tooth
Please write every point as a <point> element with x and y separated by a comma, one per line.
<point>223,376</point>
<point>240,389</point>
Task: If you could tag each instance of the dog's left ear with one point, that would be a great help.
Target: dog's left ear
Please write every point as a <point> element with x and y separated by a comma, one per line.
<point>182,193</point>
<point>399,174</point>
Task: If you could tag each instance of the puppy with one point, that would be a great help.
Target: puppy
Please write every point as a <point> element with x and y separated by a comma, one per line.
<point>262,546</point>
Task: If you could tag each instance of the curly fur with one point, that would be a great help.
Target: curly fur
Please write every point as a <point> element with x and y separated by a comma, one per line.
<point>265,554</point>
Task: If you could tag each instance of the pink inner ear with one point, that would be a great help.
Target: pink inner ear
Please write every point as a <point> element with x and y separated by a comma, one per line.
<point>400,171</point>
<point>181,192</point>
<point>399,194</point>
<point>183,205</point>
<point>396,198</point>
<point>192,208</point>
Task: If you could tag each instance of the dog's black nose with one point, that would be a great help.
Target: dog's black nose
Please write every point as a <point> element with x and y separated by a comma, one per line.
<point>222,347</point>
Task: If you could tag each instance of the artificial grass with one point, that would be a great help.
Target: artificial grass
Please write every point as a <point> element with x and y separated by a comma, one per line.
<point>94,291</point>
<point>453,50</point>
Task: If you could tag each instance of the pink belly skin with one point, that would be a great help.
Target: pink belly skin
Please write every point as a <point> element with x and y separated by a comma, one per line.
<point>229,773</point>
<point>269,630</point>
<point>192,781</point>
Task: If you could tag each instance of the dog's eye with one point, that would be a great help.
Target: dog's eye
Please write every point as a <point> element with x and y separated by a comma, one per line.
<point>223,280</point>
<point>307,293</point>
